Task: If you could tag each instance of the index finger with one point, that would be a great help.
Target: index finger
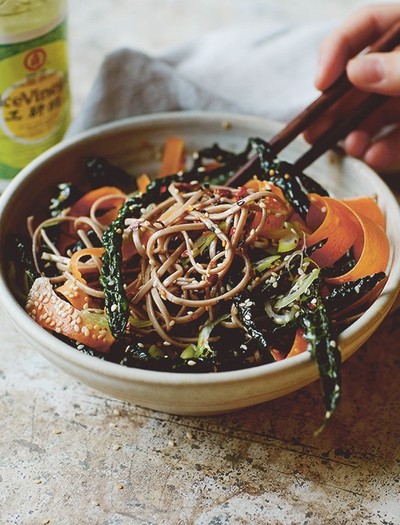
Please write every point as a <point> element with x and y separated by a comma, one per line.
<point>359,30</point>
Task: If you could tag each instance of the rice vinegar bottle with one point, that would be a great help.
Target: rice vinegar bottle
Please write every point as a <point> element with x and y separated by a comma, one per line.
<point>34,88</point>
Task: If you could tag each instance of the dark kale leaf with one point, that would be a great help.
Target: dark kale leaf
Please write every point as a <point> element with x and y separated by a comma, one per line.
<point>247,313</point>
<point>100,173</point>
<point>21,254</point>
<point>229,163</point>
<point>283,175</point>
<point>315,322</point>
<point>80,245</point>
<point>111,277</point>
<point>341,266</point>
<point>65,196</point>
<point>350,292</point>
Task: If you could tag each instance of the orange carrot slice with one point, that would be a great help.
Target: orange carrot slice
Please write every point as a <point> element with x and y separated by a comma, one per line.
<point>368,207</point>
<point>82,206</point>
<point>142,182</point>
<point>173,157</point>
<point>73,266</point>
<point>300,344</point>
<point>332,220</point>
<point>371,250</point>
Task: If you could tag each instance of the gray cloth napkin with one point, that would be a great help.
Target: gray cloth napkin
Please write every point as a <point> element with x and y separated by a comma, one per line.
<point>264,70</point>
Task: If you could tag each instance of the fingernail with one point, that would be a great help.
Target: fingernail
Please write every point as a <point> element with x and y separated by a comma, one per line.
<point>366,69</point>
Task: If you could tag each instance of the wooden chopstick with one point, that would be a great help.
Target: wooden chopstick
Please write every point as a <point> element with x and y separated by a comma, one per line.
<point>298,124</point>
<point>386,42</point>
<point>334,134</point>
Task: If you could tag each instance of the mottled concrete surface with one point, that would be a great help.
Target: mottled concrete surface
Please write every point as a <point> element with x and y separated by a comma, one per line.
<point>70,456</point>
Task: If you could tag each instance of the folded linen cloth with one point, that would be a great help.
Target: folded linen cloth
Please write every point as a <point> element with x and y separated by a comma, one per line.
<point>264,70</point>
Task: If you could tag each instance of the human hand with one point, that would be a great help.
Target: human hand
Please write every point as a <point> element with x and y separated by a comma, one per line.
<point>377,141</point>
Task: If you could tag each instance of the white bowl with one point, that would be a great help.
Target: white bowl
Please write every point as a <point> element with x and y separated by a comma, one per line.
<point>132,143</point>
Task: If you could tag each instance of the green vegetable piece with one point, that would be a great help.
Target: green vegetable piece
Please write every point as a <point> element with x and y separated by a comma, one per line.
<point>189,352</point>
<point>66,195</point>
<point>100,173</point>
<point>22,255</point>
<point>246,308</point>
<point>350,292</point>
<point>139,323</point>
<point>265,264</point>
<point>111,277</point>
<point>300,286</point>
<point>203,348</point>
<point>155,352</point>
<point>323,347</point>
<point>288,242</point>
<point>283,175</point>
<point>202,243</point>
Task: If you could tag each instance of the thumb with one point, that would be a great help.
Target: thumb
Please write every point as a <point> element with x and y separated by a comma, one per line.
<point>376,72</point>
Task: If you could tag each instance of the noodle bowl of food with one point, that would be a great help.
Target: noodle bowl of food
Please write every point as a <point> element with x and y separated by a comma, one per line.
<point>139,262</point>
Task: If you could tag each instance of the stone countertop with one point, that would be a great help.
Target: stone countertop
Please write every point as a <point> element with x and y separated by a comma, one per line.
<point>72,456</point>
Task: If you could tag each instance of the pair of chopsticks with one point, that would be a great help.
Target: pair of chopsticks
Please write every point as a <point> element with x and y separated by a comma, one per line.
<point>342,87</point>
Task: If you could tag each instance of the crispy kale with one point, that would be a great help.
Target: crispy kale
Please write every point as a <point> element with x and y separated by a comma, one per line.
<point>111,278</point>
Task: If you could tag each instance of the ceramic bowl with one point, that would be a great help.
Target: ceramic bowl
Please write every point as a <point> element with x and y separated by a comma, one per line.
<point>133,144</point>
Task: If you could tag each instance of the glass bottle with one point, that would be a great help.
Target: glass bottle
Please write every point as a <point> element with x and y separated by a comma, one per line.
<point>34,88</point>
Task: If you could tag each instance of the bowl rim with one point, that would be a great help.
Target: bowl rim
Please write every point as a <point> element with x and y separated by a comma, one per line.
<point>62,350</point>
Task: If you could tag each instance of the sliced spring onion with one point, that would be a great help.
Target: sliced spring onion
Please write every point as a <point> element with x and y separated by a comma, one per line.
<point>156,352</point>
<point>300,286</point>
<point>265,264</point>
<point>139,323</point>
<point>288,242</point>
<point>280,319</point>
<point>189,352</point>
<point>203,348</point>
<point>202,243</point>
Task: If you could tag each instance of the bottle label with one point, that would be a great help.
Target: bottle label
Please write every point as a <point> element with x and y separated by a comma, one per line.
<point>34,98</point>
